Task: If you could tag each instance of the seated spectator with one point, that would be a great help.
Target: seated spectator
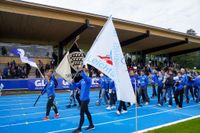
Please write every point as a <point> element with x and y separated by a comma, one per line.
<point>3,51</point>
<point>1,75</point>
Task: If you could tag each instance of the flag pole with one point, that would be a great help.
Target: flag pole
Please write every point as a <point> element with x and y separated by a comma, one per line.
<point>136,114</point>
<point>40,73</point>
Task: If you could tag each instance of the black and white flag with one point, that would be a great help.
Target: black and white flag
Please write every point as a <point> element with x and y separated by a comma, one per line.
<point>69,66</point>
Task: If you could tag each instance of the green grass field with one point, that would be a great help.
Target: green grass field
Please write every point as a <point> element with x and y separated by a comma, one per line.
<point>191,126</point>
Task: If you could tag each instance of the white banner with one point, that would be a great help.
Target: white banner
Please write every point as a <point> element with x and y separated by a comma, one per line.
<point>64,69</point>
<point>106,55</point>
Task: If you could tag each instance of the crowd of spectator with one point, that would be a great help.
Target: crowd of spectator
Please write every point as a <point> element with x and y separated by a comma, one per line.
<point>13,70</point>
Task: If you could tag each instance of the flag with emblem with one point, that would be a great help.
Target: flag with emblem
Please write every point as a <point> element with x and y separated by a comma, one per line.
<point>69,66</point>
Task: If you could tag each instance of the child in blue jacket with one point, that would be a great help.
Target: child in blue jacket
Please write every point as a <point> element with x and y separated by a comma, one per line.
<point>49,89</point>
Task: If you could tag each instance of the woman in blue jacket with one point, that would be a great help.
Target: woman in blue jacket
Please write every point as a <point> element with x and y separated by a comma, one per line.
<point>85,84</point>
<point>143,81</point>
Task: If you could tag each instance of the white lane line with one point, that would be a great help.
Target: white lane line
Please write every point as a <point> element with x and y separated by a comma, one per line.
<point>60,110</point>
<point>24,108</point>
<point>43,100</point>
<point>27,96</point>
<point>130,118</point>
<point>167,124</point>
<point>174,111</point>
<point>69,117</point>
<point>57,102</point>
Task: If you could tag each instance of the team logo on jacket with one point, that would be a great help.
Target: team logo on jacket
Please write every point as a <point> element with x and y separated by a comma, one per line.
<point>75,60</point>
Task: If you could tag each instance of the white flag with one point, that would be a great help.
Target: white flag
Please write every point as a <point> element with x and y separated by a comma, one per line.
<point>106,55</point>
<point>64,69</point>
<point>24,59</point>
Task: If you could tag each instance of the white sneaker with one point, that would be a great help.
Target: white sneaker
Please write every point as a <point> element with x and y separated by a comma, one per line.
<point>118,113</point>
<point>147,103</point>
<point>169,105</point>
<point>108,108</point>
<point>113,107</point>
<point>124,111</point>
<point>159,104</point>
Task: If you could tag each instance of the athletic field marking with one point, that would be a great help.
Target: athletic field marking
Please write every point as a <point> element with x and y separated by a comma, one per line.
<point>22,108</point>
<point>27,96</point>
<point>168,124</point>
<point>120,120</point>
<point>42,100</point>
<point>174,112</point>
<point>60,110</point>
<point>24,123</point>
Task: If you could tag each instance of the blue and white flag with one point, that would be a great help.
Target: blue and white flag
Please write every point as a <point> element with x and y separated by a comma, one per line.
<point>20,52</point>
<point>106,55</point>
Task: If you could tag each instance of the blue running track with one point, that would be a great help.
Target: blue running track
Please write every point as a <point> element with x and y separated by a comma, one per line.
<point>17,114</point>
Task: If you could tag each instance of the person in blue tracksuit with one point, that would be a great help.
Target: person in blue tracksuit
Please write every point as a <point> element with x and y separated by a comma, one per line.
<point>112,93</point>
<point>72,87</point>
<point>185,84</point>
<point>107,88</point>
<point>168,85</point>
<point>103,85</point>
<point>143,81</point>
<point>160,86</point>
<point>179,88</point>
<point>49,89</point>
<point>85,84</point>
<point>190,84</point>
<point>154,79</point>
<point>197,88</point>
<point>134,81</point>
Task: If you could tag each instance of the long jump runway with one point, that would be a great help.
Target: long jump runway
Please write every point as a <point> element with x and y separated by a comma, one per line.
<point>17,114</point>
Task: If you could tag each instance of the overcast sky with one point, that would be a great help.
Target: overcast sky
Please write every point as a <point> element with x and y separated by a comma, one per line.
<point>178,15</point>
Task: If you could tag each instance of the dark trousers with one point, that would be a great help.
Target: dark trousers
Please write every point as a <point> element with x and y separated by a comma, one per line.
<point>138,93</point>
<point>160,93</point>
<point>112,98</point>
<point>154,90</point>
<point>78,98</point>
<point>50,105</point>
<point>84,110</point>
<point>106,93</point>
<point>72,97</point>
<point>99,93</point>
<point>143,93</point>
<point>196,92</point>
<point>179,97</point>
<point>122,105</point>
<point>189,88</point>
